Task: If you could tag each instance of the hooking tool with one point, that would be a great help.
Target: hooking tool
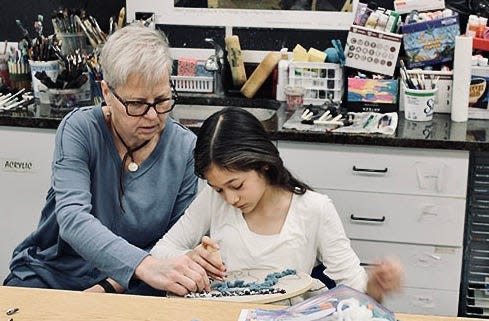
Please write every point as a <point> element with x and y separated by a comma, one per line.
<point>11,311</point>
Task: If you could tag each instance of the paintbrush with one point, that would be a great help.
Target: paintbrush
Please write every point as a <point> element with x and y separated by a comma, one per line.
<point>122,18</point>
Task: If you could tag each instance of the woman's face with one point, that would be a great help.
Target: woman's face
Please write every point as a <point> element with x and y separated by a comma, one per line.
<point>140,128</point>
<point>243,190</point>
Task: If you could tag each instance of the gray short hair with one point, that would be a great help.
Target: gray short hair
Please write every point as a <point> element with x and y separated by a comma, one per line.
<point>135,50</point>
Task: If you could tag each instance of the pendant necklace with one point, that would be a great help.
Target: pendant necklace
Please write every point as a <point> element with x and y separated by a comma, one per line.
<point>133,166</point>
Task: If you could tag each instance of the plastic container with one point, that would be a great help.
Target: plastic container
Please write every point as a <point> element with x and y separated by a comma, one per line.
<point>4,76</point>
<point>321,81</point>
<point>50,67</point>
<point>73,41</point>
<point>283,75</point>
<point>60,100</point>
<point>418,104</point>
<point>294,96</point>
<point>193,84</point>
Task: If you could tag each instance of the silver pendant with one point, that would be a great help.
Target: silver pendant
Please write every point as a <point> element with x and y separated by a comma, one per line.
<point>132,167</point>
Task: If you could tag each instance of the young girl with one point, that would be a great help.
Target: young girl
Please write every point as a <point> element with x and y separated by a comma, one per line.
<point>259,216</point>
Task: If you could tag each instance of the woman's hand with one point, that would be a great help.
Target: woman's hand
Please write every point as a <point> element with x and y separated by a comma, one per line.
<point>179,275</point>
<point>207,255</point>
<point>384,278</point>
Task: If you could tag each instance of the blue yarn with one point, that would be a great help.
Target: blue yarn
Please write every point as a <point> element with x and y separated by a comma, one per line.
<point>270,280</point>
<point>332,55</point>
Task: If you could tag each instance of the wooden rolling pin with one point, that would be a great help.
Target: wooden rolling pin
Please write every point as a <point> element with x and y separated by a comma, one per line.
<point>235,60</point>
<point>260,74</point>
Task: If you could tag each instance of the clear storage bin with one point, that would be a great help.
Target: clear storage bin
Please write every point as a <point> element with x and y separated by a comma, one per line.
<point>193,84</point>
<point>319,80</point>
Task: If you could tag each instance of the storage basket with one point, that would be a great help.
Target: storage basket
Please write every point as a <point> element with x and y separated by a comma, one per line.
<point>320,81</point>
<point>193,84</point>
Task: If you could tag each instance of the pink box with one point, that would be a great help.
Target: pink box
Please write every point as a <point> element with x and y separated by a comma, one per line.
<point>186,66</point>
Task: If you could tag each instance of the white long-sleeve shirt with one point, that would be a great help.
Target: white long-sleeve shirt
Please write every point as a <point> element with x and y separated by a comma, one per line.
<point>312,232</point>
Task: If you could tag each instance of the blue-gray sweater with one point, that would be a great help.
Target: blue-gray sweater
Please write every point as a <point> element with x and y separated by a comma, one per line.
<point>83,236</point>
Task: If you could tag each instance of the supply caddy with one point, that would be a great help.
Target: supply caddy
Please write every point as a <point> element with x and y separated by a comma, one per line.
<point>198,84</point>
<point>321,81</point>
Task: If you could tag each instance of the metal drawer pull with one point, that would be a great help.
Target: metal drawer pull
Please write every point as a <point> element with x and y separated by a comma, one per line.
<point>356,218</point>
<point>369,170</point>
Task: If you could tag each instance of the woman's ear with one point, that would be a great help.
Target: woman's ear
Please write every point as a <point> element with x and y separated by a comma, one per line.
<point>105,90</point>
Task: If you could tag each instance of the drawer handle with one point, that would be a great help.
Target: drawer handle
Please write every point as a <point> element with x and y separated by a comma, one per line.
<point>369,170</point>
<point>357,218</point>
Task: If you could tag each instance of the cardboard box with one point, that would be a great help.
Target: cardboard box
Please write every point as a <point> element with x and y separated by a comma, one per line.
<point>430,42</point>
<point>372,50</point>
<point>479,93</point>
<point>372,95</point>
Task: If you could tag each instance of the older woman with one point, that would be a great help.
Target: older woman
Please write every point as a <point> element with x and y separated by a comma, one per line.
<point>122,176</point>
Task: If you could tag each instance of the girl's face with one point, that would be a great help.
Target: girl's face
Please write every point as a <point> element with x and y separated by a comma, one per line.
<point>243,190</point>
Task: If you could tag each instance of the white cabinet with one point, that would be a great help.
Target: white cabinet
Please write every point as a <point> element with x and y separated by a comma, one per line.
<point>25,169</point>
<point>402,202</point>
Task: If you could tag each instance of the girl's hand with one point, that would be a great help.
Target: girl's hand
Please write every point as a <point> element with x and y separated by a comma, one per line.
<point>207,255</point>
<point>384,278</point>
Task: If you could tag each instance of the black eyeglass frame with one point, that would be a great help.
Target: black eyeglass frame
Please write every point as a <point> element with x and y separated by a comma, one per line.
<point>174,97</point>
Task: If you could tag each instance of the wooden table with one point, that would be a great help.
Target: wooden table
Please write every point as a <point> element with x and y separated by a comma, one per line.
<point>55,305</point>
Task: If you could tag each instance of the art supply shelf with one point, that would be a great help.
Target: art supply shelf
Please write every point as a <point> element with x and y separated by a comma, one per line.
<point>193,84</point>
<point>321,81</point>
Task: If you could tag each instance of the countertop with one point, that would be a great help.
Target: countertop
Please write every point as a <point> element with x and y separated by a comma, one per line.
<point>440,133</point>
<point>54,305</point>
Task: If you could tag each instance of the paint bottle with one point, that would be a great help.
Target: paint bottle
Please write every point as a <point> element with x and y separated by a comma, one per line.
<point>372,20</point>
<point>481,27</point>
<point>371,7</point>
<point>382,22</point>
<point>283,74</point>
<point>472,25</point>
<point>391,25</point>
<point>360,11</point>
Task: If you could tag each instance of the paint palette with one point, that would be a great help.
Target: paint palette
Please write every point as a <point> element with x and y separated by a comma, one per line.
<point>372,50</point>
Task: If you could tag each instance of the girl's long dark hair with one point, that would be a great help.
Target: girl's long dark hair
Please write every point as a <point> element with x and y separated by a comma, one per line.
<point>234,139</point>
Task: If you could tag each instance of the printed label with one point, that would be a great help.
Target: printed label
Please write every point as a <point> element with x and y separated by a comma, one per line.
<point>16,165</point>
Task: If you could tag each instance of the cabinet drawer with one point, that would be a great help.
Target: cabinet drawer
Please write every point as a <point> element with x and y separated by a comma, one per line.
<point>432,267</point>
<point>424,301</point>
<point>378,169</point>
<point>400,218</point>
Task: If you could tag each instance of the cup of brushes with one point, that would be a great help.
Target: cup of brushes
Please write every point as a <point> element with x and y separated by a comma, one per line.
<point>63,93</point>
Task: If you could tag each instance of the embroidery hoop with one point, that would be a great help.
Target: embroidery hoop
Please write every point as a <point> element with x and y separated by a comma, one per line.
<point>294,285</point>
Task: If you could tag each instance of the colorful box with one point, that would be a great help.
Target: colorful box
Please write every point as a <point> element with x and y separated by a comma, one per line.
<point>430,42</point>
<point>186,66</point>
<point>372,50</point>
<point>372,95</point>
<point>479,93</point>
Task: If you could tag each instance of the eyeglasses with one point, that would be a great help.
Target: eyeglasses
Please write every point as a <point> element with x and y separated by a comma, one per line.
<point>137,108</point>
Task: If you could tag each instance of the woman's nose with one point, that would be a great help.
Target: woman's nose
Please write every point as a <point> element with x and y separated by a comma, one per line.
<point>151,113</point>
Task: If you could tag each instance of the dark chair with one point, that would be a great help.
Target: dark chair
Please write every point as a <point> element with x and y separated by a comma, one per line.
<point>317,273</point>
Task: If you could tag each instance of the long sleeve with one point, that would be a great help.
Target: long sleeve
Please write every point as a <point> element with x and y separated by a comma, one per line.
<point>188,231</point>
<point>77,226</point>
<point>335,252</point>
